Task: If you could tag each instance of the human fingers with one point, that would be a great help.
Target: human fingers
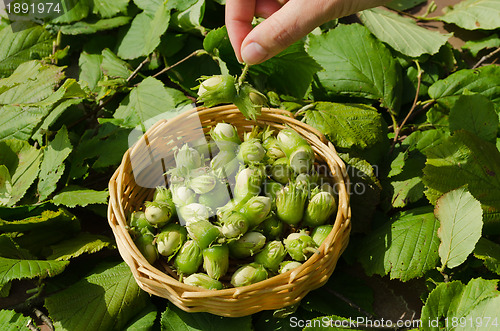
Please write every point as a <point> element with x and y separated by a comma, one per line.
<point>292,22</point>
<point>239,17</point>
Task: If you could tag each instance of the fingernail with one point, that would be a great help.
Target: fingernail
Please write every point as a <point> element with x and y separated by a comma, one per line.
<point>253,53</point>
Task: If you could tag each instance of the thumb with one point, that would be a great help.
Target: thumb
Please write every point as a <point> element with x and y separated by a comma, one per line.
<point>292,22</point>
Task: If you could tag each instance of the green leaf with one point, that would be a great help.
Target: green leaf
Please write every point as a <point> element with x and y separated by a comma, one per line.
<point>406,191</point>
<point>73,196</point>
<point>19,122</point>
<point>150,6</point>
<point>401,33</point>
<point>81,244</point>
<point>190,18</point>
<point>474,14</point>
<point>402,5</point>
<point>464,159</point>
<point>73,10</point>
<point>178,5</point>
<point>94,26</point>
<point>148,100</point>
<point>454,300</point>
<point>407,186</point>
<point>20,212</point>
<point>357,64</point>
<point>10,249</point>
<point>405,248</point>
<point>23,162</point>
<point>53,166</point>
<point>483,80</point>
<point>23,42</point>
<point>174,319</point>
<point>5,185</point>
<point>489,252</point>
<point>215,40</point>
<point>476,114</point>
<point>144,321</point>
<point>12,321</point>
<point>113,66</point>
<point>144,34</point>
<point>43,230</point>
<point>217,43</point>
<point>56,112</point>
<point>104,300</point>
<point>48,219</point>
<point>460,217</point>
<point>30,84</point>
<point>11,269</point>
<point>5,291</point>
<point>290,72</point>
<point>27,96</point>
<point>99,151</point>
<point>365,189</point>
<point>347,125</point>
<point>109,8</point>
<point>397,164</point>
<point>485,314</point>
<point>423,141</point>
<point>90,70</point>
<point>475,46</point>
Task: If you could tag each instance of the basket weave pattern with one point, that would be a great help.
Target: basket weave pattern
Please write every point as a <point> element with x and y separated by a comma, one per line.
<point>274,293</point>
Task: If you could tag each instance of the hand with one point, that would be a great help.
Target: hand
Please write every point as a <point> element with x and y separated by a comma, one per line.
<point>287,21</point>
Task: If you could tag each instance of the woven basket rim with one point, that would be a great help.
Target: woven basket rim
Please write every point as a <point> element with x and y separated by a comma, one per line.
<point>147,275</point>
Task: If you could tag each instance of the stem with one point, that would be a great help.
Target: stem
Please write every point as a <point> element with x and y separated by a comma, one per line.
<point>398,129</point>
<point>304,109</point>
<point>31,326</point>
<point>55,46</point>
<point>44,318</point>
<point>430,9</point>
<point>102,104</point>
<point>418,18</point>
<point>243,75</point>
<point>394,122</point>
<point>446,278</point>
<point>136,71</point>
<point>486,57</point>
<point>195,53</point>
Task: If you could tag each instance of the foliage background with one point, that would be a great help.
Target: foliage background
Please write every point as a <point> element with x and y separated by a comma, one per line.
<point>412,110</point>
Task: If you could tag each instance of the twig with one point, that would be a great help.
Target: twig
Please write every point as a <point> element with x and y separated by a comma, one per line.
<point>102,104</point>
<point>39,314</point>
<point>486,57</point>
<point>195,53</point>
<point>424,107</point>
<point>398,129</point>
<point>136,71</point>
<point>31,326</point>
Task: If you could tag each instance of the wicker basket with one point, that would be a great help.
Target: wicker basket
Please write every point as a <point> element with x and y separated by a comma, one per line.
<point>274,293</point>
